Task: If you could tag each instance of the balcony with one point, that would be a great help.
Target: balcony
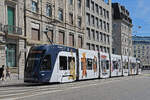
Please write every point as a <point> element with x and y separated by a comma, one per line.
<point>10,29</point>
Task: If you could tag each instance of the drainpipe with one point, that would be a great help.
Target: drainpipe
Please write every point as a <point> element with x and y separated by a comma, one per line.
<point>25,44</point>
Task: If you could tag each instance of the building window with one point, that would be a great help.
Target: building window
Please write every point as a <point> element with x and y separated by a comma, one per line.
<point>97,9</point>
<point>107,14</point>
<point>101,11</point>
<point>79,3</point>
<point>60,14</point>
<point>35,34</point>
<point>97,34</point>
<point>50,35</point>
<point>48,10</point>
<point>88,46</point>
<point>71,18</point>
<point>108,39</point>
<point>101,36</point>
<point>97,47</point>
<point>11,19</point>
<point>88,3</point>
<point>93,20</point>
<point>101,24</point>
<point>93,47</point>
<point>93,33</point>
<point>79,21</point>
<point>61,37</point>
<point>71,39</point>
<point>92,6</point>
<point>79,41</point>
<point>87,19</point>
<point>108,50</point>
<point>104,38</point>
<point>104,25</point>
<point>70,2</point>
<point>108,27</point>
<point>104,13</point>
<point>88,33</point>
<point>11,55</point>
<point>34,6</point>
<point>97,23</point>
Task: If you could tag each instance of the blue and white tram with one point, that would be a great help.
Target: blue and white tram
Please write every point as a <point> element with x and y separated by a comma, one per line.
<point>88,64</point>
<point>125,65</point>
<point>116,67</point>
<point>56,63</point>
<point>104,65</point>
<point>51,63</point>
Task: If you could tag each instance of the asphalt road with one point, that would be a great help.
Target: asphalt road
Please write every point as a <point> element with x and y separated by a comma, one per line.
<point>122,88</point>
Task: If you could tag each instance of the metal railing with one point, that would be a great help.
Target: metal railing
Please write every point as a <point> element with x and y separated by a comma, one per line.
<point>10,29</point>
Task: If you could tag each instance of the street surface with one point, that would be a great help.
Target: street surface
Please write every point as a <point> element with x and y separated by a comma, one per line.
<point>121,88</point>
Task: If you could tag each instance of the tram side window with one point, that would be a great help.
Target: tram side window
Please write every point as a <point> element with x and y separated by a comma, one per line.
<point>46,63</point>
<point>63,63</point>
<point>89,64</point>
<point>107,64</point>
<point>71,62</point>
<point>115,64</point>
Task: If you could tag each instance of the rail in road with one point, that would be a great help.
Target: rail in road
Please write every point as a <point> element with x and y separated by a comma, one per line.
<point>26,91</point>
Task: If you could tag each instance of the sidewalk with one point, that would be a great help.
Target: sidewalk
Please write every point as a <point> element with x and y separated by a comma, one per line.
<point>11,82</point>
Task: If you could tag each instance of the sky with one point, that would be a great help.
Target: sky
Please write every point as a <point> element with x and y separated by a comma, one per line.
<point>140,15</point>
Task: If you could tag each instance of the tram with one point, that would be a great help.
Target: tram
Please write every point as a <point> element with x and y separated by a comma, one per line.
<point>57,63</point>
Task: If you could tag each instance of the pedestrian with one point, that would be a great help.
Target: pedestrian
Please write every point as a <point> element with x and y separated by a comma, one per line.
<point>7,72</point>
<point>2,72</point>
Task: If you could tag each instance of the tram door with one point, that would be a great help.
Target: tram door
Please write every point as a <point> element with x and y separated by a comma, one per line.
<point>67,67</point>
<point>139,70</point>
<point>125,66</point>
<point>105,65</point>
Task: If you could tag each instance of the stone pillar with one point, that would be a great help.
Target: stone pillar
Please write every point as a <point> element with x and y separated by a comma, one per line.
<point>21,57</point>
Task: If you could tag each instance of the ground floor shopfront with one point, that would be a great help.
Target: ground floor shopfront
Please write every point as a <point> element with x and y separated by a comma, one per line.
<point>12,54</point>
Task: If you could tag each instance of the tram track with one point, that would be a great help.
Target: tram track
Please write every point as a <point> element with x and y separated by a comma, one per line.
<point>31,91</point>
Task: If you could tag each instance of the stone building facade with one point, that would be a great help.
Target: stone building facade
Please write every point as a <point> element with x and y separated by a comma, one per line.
<point>141,50</point>
<point>60,21</point>
<point>98,25</point>
<point>12,40</point>
<point>121,30</point>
